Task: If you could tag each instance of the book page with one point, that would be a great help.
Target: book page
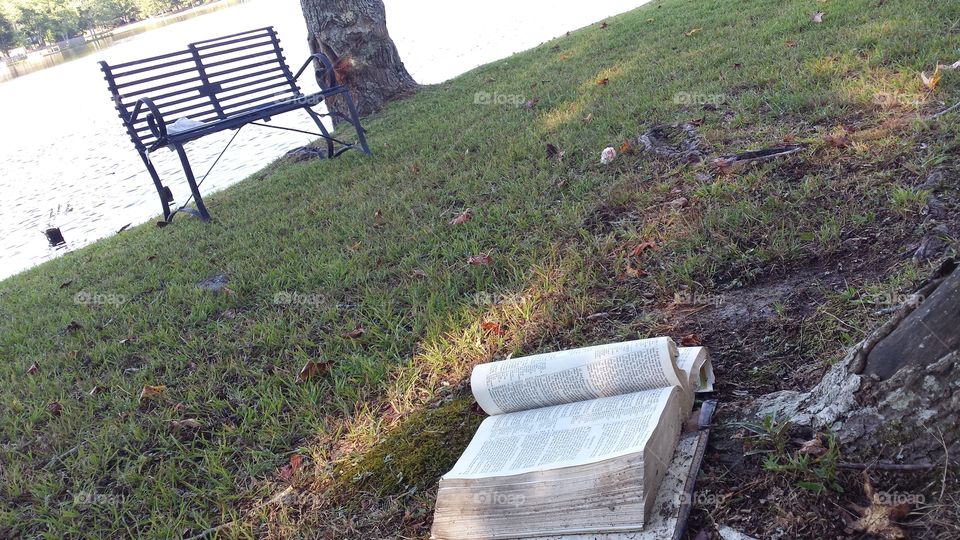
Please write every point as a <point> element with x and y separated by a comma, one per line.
<point>542,380</point>
<point>564,435</point>
<point>695,362</point>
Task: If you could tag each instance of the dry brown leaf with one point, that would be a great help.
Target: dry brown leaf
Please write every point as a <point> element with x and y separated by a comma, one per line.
<point>838,138</point>
<point>682,202</point>
<point>634,272</point>
<point>640,248</point>
<point>55,408</point>
<point>464,217</point>
<point>150,392</point>
<point>356,332</point>
<point>604,81</point>
<point>933,80</point>
<point>186,423</point>
<point>312,369</point>
<point>790,43</point>
<point>493,327</point>
<point>287,471</point>
<point>603,25</point>
<point>482,259</point>
<point>692,32</point>
<point>880,519</point>
<point>554,153</point>
<point>626,148</point>
<point>690,340</point>
<point>814,447</point>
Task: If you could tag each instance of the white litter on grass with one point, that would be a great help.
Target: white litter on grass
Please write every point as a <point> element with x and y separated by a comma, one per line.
<point>608,155</point>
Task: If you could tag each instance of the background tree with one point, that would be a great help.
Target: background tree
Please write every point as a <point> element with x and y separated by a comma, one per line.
<point>9,36</point>
<point>353,34</point>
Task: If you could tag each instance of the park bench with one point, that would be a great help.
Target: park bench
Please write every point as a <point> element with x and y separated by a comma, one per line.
<point>215,85</point>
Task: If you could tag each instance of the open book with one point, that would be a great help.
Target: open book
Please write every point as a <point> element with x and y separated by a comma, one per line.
<point>578,441</point>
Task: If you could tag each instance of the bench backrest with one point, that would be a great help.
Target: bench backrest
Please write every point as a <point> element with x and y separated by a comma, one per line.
<point>210,80</point>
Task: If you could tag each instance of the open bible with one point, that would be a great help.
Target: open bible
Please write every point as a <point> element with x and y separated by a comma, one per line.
<point>577,441</point>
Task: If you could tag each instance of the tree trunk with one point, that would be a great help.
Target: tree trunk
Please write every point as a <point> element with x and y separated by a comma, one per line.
<point>353,34</point>
<point>898,391</point>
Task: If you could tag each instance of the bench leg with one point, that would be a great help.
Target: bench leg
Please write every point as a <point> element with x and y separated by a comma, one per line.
<point>323,129</point>
<point>188,171</point>
<point>355,120</point>
<point>159,185</point>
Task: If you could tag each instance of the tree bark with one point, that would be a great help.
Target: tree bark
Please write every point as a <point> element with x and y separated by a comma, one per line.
<point>898,391</point>
<point>353,34</point>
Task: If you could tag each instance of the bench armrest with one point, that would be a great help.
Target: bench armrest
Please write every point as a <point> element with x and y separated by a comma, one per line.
<point>154,119</point>
<point>326,76</point>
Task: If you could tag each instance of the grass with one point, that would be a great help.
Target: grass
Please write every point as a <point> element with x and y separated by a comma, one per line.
<point>312,250</point>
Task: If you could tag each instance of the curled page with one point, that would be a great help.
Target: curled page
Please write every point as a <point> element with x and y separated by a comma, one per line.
<point>542,380</point>
<point>695,363</point>
<point>563,435</point>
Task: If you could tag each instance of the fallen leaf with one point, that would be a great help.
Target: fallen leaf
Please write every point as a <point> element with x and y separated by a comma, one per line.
<point>682,202</point>
<point>838,138</point>
<point>33,369</point>
<point>187,423</point>
<point>418,273</point>
<point>482,259</point>
<point>932,81</point>
<point>692,32</point>
<point>287,471</point>
<point>880,519</point>
<point>790,43</point>
<point>493,327</point>
<point>737,65</point>
<point>150,392</point>
<point>603,25</point>
<point>626,148</point>
<point>74,326</point>
<point>817,17</point>
<point>378,215</point>
<point>789,139</point>
<point>531,103</point>
<point>95,390</point>
<point>554,153</point>
<point>690,340</point>
<point>66,284</point>
<point>640,248</point>
<point>355,333</point>
<point>604,81</point>
<point>312,369</point>
<point>634,272</point>
<point>814,447</point>
<point>55,408</point>
<point>464,217</point>
<point>414,169</point>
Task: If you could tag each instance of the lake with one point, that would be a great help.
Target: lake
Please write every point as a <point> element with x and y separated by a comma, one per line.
<point>66,161</point>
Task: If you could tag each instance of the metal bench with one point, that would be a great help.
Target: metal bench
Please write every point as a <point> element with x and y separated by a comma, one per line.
<point>215,85</point>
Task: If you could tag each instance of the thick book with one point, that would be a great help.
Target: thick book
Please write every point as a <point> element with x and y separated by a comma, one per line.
<point>578,442</point>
